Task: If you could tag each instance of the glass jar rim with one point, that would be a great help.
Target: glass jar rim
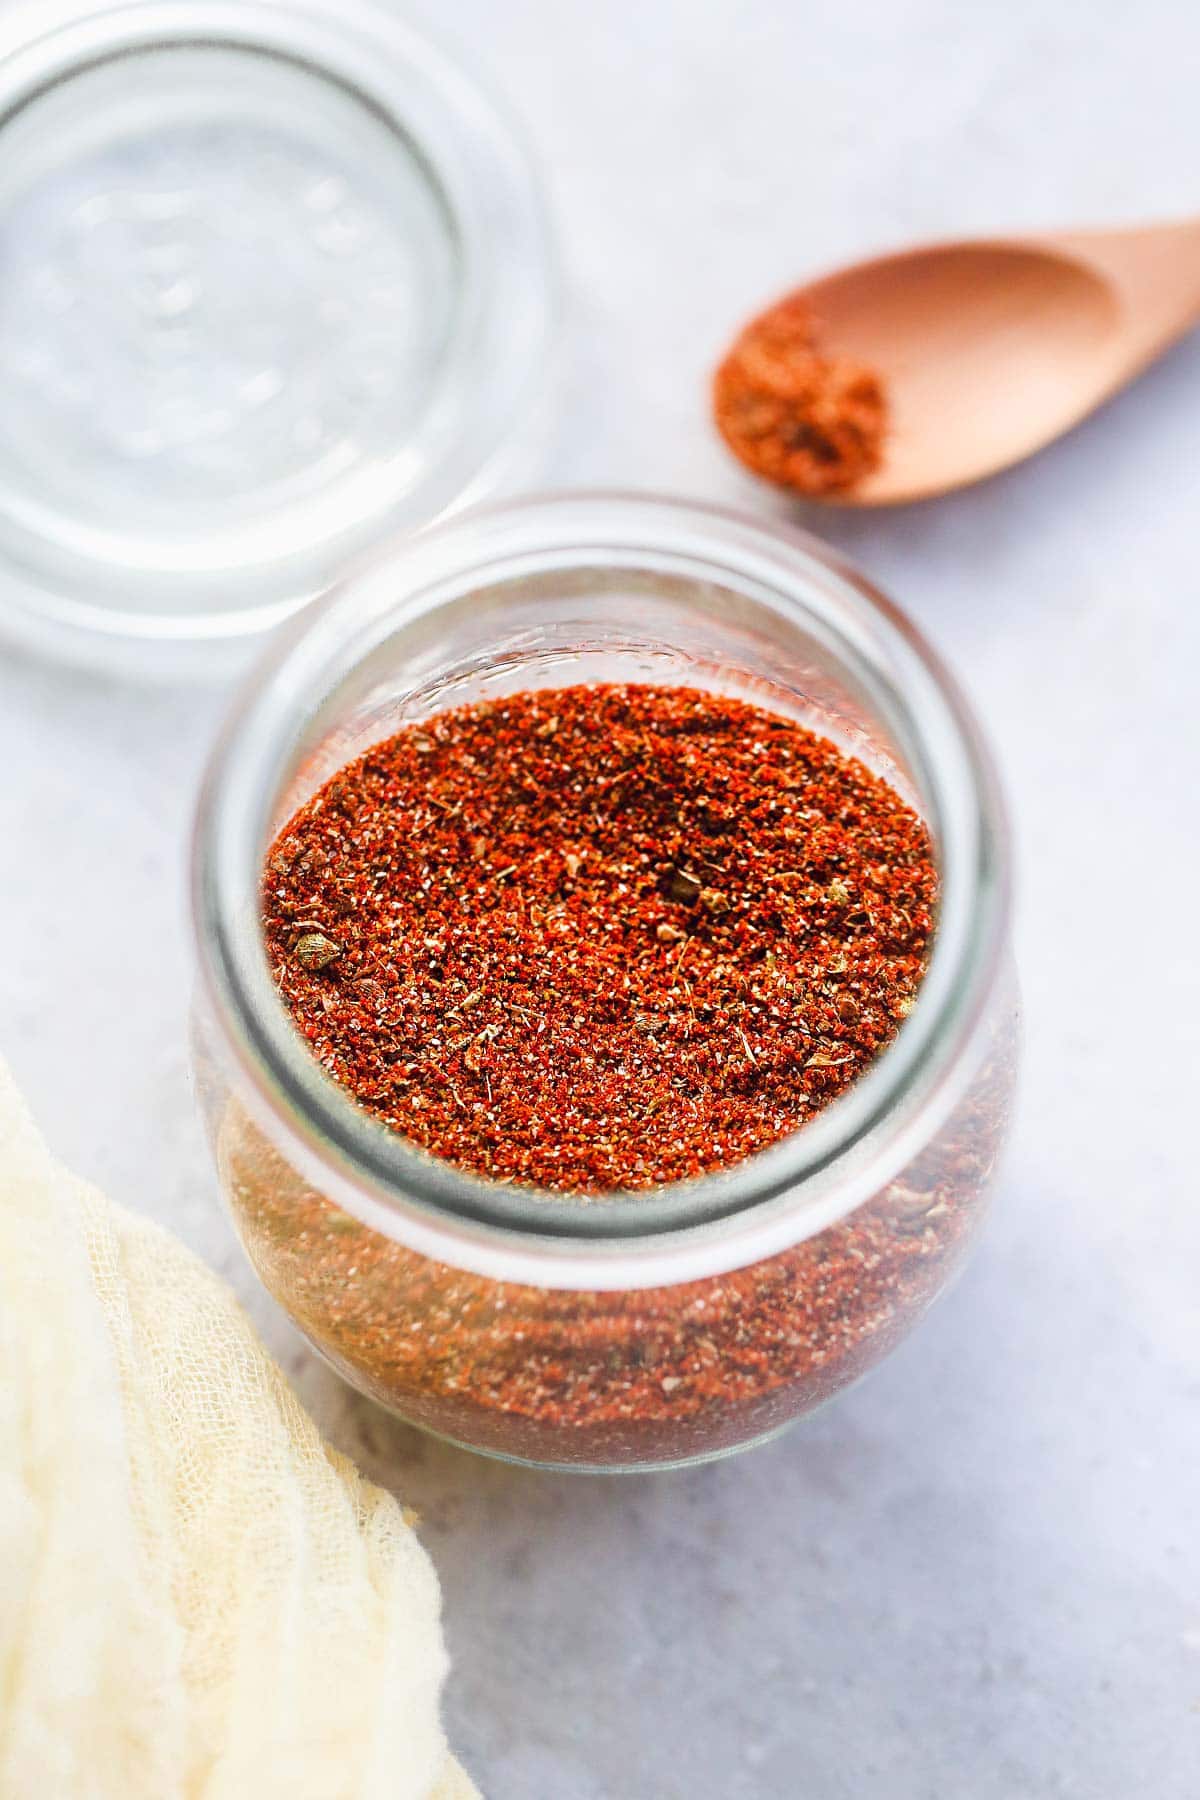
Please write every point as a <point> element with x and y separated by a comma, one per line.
<point>758,1206</point>
<point>92,583</point>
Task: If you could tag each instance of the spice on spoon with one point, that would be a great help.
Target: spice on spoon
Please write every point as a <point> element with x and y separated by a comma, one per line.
<point>794,414</point>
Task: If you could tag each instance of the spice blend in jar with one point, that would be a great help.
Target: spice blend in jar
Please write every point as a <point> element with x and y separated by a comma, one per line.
<point>600,937</point>
<point>626,1379</point>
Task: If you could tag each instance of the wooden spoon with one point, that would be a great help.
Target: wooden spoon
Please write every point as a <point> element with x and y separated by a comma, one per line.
<point>989,350</point>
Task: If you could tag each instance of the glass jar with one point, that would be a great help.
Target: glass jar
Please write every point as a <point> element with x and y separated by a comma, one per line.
<point>278,283</point>
<point>631,1330</point>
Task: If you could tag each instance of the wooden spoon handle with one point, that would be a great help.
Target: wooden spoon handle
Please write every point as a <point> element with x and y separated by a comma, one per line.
<point>1154,270</point>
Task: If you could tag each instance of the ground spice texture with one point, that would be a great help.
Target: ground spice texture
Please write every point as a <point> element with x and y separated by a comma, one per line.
<point>601,937</point>
<point>620,1380</point>
<point>792,413</point>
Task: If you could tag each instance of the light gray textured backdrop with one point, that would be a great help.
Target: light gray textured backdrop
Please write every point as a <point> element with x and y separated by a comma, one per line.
<point>978,1574</point>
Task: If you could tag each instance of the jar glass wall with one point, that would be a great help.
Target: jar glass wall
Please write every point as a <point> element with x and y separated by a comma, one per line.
<point>624,1330</point>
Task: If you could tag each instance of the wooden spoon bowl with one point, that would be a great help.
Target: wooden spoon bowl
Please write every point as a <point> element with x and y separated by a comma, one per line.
<point>991,349</point>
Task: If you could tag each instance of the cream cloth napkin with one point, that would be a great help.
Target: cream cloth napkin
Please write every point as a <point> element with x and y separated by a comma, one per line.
<point>199,1600</point>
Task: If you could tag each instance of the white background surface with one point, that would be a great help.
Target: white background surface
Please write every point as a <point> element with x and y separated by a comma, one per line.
<point>977,1575</point>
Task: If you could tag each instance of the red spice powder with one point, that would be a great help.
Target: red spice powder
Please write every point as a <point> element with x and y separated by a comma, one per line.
<point>793,414</point>
<point>606,1380</point>
<point>591,938</point>
<point>601,937</point>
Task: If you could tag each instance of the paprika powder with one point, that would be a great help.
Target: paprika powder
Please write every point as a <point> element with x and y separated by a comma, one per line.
<point>600,937</point>
<point>795,414</point>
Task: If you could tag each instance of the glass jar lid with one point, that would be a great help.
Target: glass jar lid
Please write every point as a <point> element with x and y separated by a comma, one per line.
<point>277,282</point>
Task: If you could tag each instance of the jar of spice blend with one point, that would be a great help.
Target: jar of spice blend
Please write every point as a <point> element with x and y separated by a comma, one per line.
<point>279,283</point>
<point>631,1320</point>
